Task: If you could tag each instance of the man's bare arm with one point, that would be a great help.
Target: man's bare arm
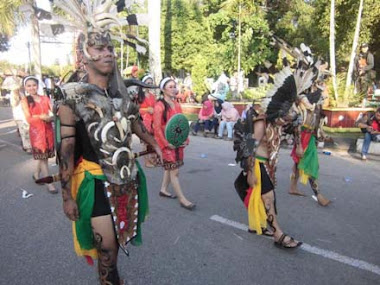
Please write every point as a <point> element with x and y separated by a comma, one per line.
<point>66,159</point>
<point>259,127</point>
<point>259,132</point>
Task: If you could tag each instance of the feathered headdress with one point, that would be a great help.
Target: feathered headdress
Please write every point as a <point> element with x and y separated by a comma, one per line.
<point>97,20</point>
<point>281,97</point>
<point>291,86</point>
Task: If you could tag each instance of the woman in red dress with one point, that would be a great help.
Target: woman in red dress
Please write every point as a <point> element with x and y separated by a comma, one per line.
<point>38,113</point>
<point>147,103</point>
<point>164,109</point>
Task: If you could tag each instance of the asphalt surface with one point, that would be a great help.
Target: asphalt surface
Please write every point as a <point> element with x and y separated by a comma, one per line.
<point>183,247</point>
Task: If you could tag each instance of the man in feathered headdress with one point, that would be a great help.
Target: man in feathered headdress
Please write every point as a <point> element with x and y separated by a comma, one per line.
<point>103,186</point>
<point>304,154</point>
<point>257,144</point>
<point>309,77</point>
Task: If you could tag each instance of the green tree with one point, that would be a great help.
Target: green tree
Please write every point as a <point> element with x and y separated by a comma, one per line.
<point>10,16</point>
<point>199,33</point>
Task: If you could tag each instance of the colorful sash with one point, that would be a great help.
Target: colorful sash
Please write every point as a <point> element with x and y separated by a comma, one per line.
<point>82,190</point>
<point>257,217</point>
<point>308,165</point>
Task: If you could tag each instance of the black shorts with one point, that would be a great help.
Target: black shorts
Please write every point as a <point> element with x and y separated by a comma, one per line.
<point>266,183</point>
<point>101,204</point>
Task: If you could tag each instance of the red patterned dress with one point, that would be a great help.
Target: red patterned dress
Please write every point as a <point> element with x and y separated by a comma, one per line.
<point>172,158</point>
<point>148,102</point>
<point>40,132</point>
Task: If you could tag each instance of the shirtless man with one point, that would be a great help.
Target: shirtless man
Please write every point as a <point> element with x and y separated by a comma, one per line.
<point>263,130</point>
<point>304,154</point>
<point>257,144</point>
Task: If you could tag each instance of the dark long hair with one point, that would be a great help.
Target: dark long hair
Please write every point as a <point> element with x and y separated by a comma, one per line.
<point>162,99</point>
<point>140,95</point>
<point>167,107</point>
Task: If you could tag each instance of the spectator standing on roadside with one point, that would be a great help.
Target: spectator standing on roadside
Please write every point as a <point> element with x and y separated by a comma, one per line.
<point>370,126</point>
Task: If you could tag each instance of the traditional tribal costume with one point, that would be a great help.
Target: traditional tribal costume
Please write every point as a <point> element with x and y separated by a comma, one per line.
<point>307,135</point>
<point>107,180</point>
<point>259,158</point>
<point>277,105</point>
<point>309,129</point>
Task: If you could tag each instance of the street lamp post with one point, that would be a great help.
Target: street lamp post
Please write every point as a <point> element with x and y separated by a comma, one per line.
<point>36,46</point>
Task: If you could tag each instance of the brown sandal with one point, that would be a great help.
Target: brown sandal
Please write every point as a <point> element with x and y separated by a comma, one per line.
<point>286,245</point>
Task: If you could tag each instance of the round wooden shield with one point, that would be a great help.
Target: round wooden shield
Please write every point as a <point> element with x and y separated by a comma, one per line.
<point>177,130</point>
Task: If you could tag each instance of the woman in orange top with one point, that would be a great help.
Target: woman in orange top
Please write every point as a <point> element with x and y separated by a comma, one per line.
<point>146,101</point>
<point>38,113</point>
<point>165,108</point>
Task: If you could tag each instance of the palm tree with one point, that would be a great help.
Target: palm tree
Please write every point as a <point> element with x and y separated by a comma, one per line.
<point>10,16</point>
<point>332,49</point>
<point>154,6</point>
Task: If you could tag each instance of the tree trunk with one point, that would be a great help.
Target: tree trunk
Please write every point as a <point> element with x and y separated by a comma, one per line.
<point>36,45</point>
<point>332,49</point>
<point>154,8</point>
<point>354,46</point>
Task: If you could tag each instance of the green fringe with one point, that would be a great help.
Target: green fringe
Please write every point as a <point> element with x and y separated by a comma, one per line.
<point>309,162</point>
<point>85,201</point>
<point>143,204</point>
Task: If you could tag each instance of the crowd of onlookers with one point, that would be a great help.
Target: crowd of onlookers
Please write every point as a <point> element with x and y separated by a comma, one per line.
<point>215,117</point>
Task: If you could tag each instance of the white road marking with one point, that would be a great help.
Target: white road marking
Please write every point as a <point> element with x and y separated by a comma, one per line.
<point>5,121</point>
<point>357,263</point>
<point>9,132</point>
<point>239,237</point>
<point>9,143</point>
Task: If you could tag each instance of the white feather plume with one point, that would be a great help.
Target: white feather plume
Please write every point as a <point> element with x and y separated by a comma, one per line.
<point>279,80</point>
<point>304,79</point>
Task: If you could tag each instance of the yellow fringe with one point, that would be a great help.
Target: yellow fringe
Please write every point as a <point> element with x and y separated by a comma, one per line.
<point>257,217</point>
<point>304,178</point>
<point>82,252</point>
<point>76,181</point>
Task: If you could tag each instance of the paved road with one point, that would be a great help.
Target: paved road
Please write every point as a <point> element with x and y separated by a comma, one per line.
<point>209,245</point>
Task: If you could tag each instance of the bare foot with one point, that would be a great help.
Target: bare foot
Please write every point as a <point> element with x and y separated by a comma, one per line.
<point>322,200</point>
<point>293,187</point>
<point>52,189</point>
<point>296,192</point>
<point>149,165</point>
